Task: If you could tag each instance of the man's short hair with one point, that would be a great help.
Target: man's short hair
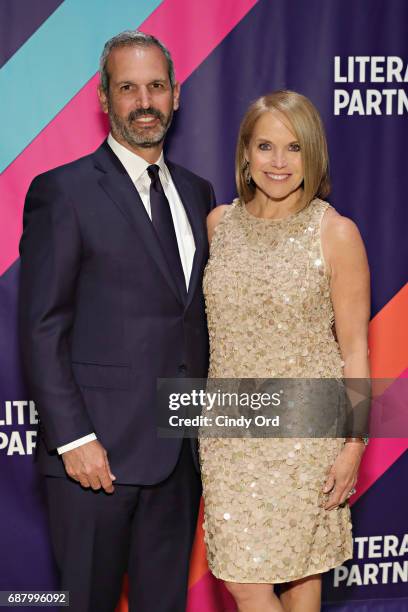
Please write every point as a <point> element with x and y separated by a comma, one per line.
<point>130,38</point>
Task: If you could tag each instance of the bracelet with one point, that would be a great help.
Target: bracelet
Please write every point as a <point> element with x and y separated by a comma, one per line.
<point>364,439</point>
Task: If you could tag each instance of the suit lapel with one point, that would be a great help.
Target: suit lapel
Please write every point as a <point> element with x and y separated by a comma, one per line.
<point>188,196</point>
<point>118,185</point>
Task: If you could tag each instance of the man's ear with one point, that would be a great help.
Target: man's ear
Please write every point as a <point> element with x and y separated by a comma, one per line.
<point>103,99</point>
<point>176,96</point>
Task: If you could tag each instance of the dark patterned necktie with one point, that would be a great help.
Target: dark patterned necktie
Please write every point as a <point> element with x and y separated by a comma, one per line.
<point>164,227</point>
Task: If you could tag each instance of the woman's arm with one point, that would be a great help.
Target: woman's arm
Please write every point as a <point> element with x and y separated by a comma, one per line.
<point>346,259</point>
<point>345,256</point>
<point>214,218</point>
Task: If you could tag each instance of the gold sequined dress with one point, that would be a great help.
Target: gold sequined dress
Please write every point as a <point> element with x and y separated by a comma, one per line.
<point>270,315</point>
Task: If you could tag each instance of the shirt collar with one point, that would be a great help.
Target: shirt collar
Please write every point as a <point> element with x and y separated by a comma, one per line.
<point>135,165</point>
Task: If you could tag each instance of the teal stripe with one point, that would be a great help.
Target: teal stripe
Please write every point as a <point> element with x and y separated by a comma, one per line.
<point>55,63</point>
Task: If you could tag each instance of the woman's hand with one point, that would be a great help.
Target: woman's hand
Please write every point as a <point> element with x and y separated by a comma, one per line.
<point>342,476</point>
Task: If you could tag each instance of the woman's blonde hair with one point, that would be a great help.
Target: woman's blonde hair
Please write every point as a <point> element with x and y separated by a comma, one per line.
<point>305,121</point>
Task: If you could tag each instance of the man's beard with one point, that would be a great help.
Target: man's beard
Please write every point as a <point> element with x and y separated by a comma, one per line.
<point>143,137</point>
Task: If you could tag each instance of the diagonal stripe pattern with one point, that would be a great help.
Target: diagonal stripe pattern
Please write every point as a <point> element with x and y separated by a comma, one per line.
<point>82,116</point>
<point>54,64</point>
<point>22,21</point>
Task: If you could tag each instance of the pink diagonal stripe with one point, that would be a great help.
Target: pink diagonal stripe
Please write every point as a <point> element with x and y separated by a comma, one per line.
<point>380,454</point>
<point>191,30</point>
<point>209,595</point>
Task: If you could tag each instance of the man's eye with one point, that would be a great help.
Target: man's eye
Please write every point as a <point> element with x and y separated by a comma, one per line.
<point>125,87</point>
<point>294,147</point>
<point>157,85</point>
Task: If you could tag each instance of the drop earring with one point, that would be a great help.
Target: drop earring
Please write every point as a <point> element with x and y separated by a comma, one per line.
<point>247,173</point>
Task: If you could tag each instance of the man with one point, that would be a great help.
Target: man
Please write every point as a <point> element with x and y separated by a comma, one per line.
<point>112,256</point>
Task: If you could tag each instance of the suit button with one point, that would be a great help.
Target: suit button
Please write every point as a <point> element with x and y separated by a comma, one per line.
<point>182,368</point>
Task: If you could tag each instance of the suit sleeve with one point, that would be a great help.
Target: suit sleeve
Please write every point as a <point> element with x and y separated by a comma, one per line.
<point>50,251</point>
<point>212,200</point>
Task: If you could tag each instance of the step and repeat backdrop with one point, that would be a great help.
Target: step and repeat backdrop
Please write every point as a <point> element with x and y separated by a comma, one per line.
<point>350,57</point>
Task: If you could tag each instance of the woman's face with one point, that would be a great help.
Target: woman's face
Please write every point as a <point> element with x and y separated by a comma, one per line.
<point>275,159</point>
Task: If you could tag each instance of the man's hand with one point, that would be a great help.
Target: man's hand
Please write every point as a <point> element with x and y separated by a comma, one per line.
<point>89,465</point>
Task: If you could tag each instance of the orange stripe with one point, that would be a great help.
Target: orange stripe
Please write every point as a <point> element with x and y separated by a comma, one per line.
<point>123,605</point>
<point>388,338</point>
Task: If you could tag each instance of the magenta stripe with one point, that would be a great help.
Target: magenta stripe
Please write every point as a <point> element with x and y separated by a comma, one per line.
<point>191,30</point>
<point>380,454</point>
<point>209,595</point>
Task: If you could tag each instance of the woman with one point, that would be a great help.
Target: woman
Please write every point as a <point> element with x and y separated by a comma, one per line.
<point>285,269</point>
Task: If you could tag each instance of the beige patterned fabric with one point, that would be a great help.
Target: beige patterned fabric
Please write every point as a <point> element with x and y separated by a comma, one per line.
<point>270,315</point>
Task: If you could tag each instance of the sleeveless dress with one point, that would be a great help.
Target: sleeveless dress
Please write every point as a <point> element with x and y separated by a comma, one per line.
<point>270,315</point>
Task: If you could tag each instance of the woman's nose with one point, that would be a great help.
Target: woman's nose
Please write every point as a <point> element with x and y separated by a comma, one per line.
<point>279,159</point>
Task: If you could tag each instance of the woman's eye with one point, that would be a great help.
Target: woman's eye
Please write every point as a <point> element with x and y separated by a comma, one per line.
<point>294,147</point>
<point>264,146</point>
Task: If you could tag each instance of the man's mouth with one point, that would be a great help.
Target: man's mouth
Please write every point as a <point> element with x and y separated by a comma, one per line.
<point>146,119</point>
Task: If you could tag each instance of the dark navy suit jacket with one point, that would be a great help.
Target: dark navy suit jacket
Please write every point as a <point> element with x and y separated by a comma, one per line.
<point>100,315</point>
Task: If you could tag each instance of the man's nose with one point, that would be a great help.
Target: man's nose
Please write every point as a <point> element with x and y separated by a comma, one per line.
<point>144,97</point>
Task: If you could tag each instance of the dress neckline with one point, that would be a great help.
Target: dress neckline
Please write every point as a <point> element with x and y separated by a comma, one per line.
<point>271,221</point>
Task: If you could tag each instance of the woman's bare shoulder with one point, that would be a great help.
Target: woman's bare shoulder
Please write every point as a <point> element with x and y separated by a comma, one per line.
<point>339,229</point>
<point>342,243</point>
<point>215,217</point>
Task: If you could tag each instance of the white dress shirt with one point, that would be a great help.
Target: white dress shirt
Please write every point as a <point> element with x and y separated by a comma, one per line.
<point>136,167</point>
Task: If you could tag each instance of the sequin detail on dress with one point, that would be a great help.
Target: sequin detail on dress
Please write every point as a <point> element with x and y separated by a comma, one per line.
<point>270,315</point>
